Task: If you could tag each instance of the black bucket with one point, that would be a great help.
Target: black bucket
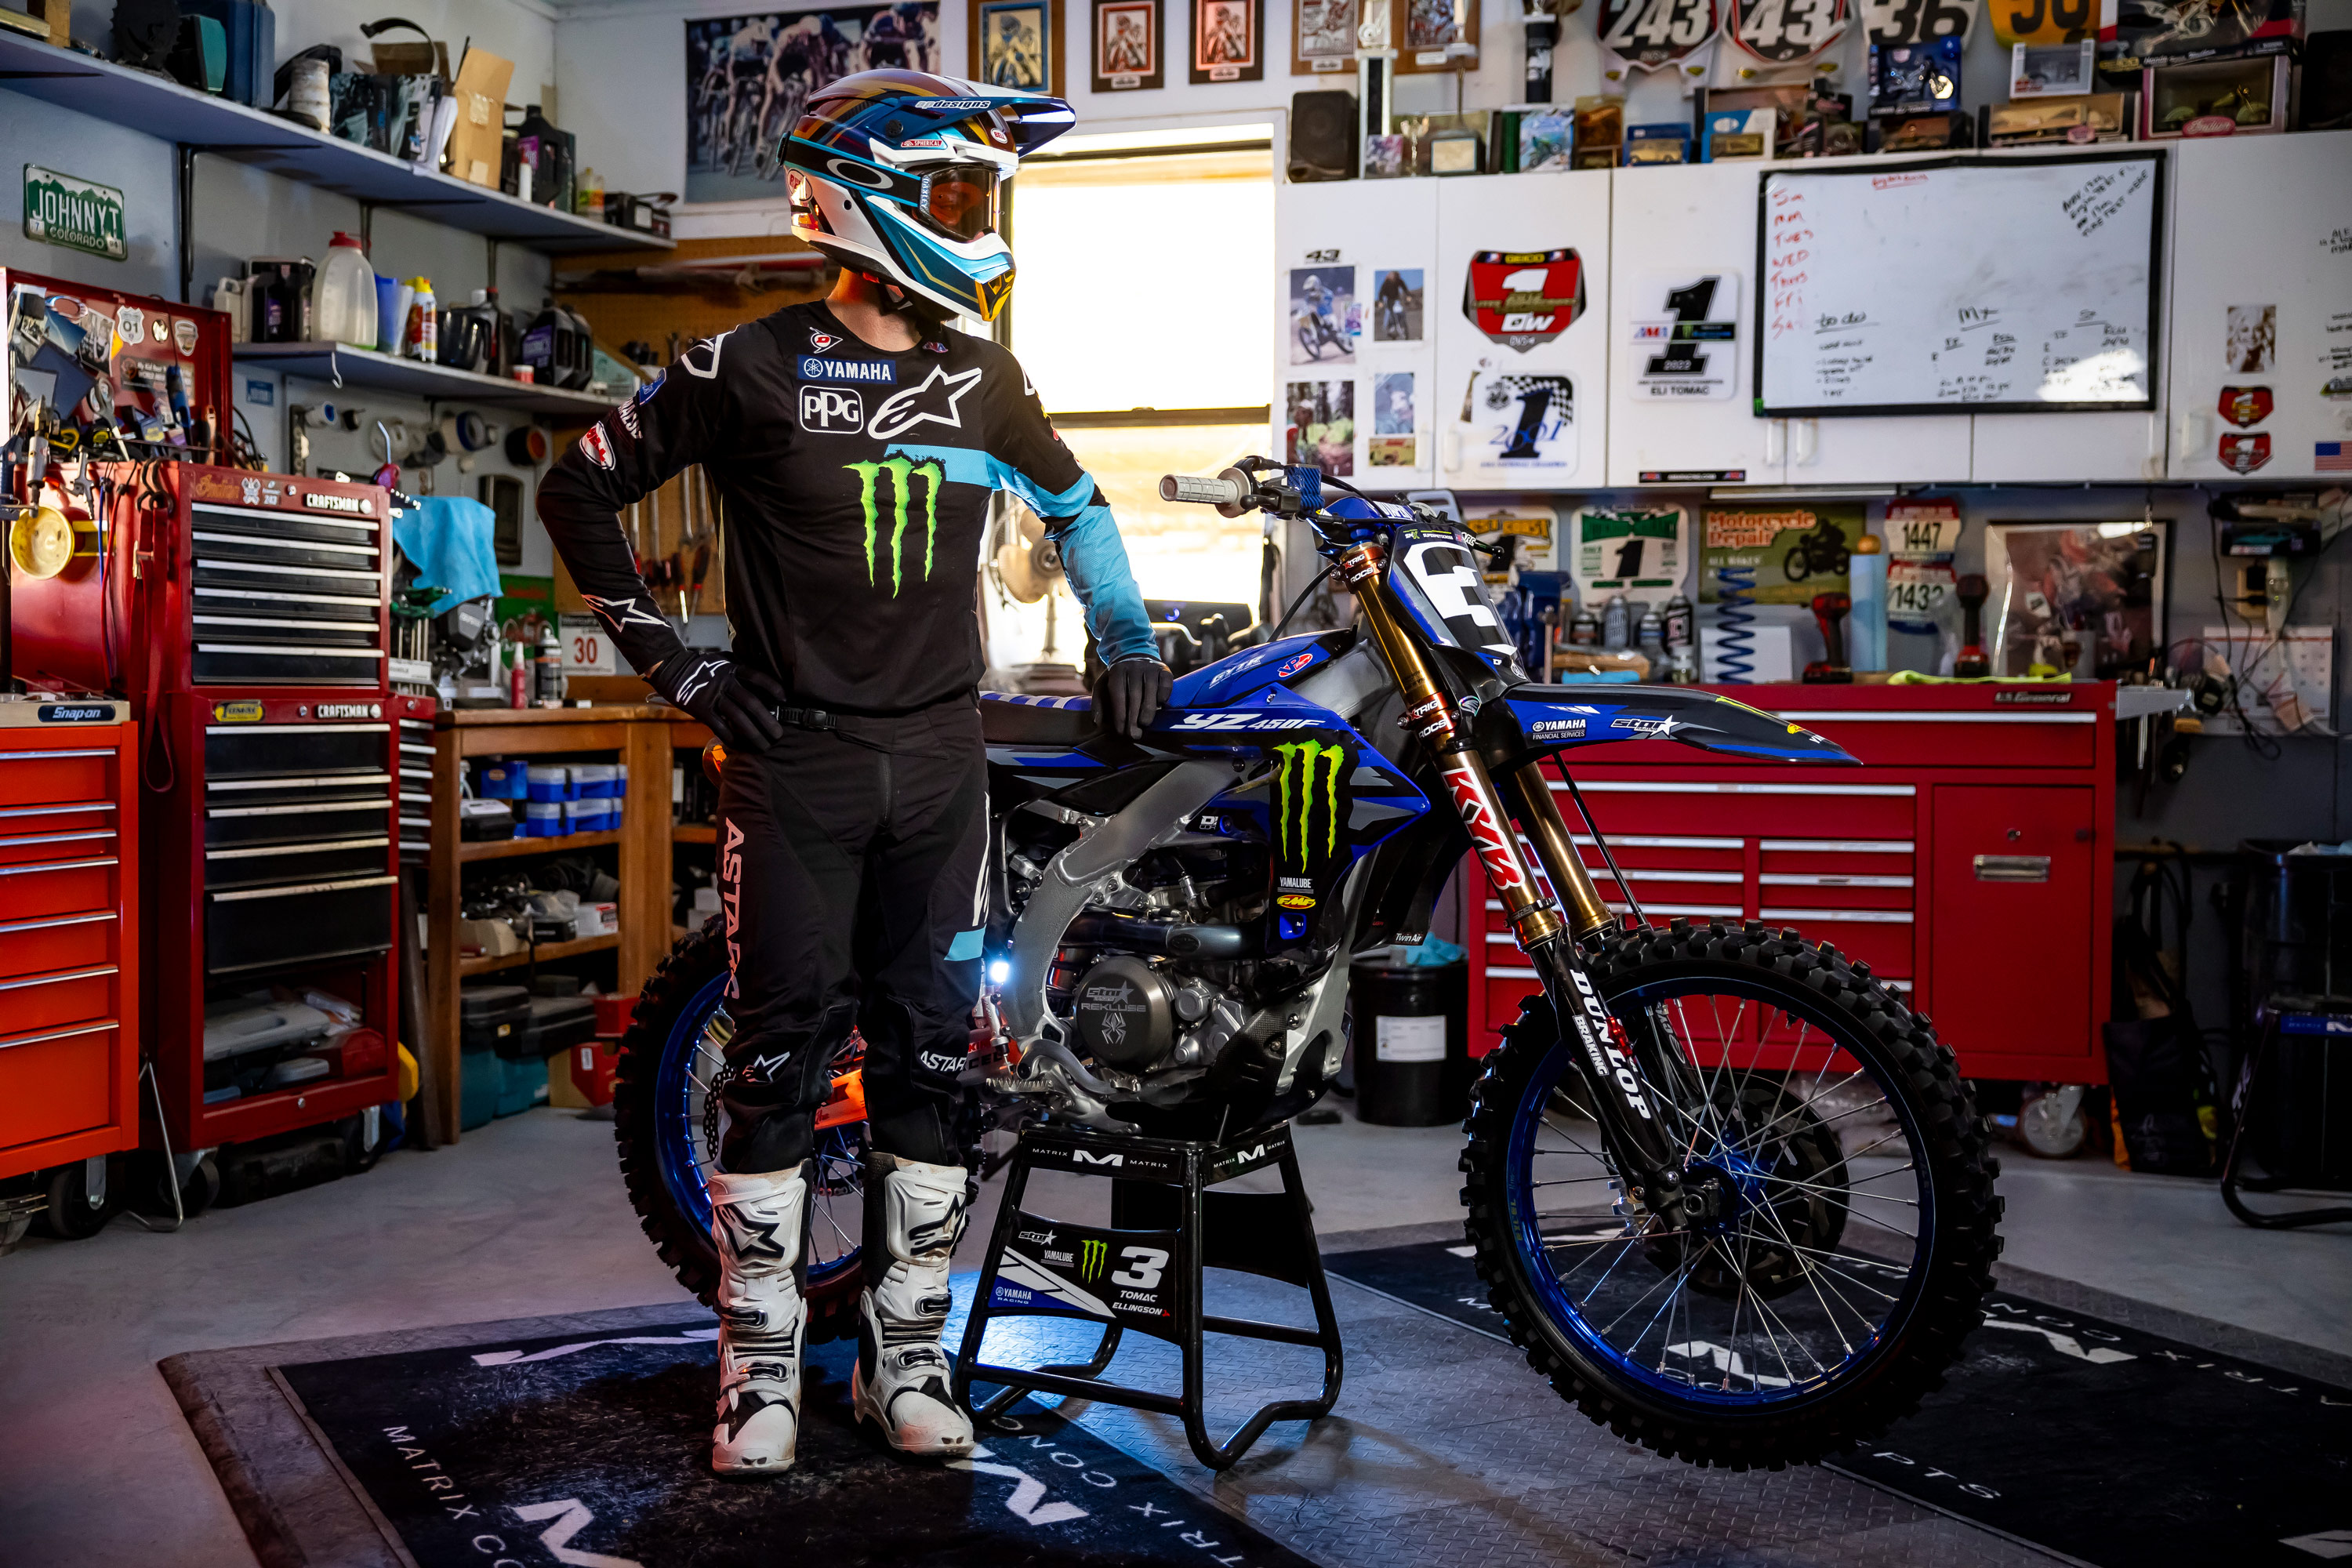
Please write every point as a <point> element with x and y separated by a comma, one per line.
<point>1411,1038</point>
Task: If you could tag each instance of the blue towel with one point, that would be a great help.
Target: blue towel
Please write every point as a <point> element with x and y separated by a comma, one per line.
<point>447,540</point>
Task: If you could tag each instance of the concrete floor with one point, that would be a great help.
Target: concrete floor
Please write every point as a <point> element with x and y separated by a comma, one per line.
<point>527,1216</point>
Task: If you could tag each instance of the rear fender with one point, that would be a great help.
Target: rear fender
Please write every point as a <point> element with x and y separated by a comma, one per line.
<point>1535,721</point>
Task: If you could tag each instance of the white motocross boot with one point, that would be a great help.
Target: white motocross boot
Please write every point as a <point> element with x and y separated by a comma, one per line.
<point>758,1223</point>
<point>901,1381</point>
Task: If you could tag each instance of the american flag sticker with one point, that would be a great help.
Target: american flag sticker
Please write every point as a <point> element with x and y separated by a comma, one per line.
<point>2332,456</point>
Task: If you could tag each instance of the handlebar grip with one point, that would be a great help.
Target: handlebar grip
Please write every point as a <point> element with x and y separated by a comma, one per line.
<point>1194,488</point>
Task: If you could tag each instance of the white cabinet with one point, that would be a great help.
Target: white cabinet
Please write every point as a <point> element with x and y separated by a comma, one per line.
<point>1891,449</point>
<point>1354,354</point>
<point>2262,307</point>
<point>1683,254</point>
<point>1520,305</point>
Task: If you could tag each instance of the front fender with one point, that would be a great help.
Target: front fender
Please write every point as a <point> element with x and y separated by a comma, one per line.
<point>1533,721</point>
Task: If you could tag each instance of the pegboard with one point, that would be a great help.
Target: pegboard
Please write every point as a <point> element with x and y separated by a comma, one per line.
<point>2303,656</point>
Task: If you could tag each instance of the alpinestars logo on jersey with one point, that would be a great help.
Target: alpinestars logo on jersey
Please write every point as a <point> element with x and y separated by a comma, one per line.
<point>1308,774</point>
<point>898,498</point>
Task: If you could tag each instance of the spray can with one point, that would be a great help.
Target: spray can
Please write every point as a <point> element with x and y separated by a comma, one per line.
<point>518,676</point>
<point>422,339</point>
<point>548,667</point>
<point>1682,640</point>
<point>1617,624</point>
<point>1651,633</point>
<point>1584,628</point>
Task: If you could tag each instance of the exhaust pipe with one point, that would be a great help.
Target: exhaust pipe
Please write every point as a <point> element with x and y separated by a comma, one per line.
<point>1119,928</point>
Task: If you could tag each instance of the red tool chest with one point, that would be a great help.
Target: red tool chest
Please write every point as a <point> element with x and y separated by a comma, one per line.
<point>1968,862</point>
<point>68,920</point>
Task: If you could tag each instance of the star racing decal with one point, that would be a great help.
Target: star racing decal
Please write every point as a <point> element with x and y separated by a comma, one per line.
<point>1521,299</point>
<point>1310,802</point>
<point>934,402</point>
<point>896,496</point>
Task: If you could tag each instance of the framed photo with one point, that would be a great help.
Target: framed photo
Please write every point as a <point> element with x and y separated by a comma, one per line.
<point>729,133</point>
<point>1228,41</point>
<point>1434,31</point>
<point>2097,587</point>
<point>1323,35</point>
<point>1016,43</point>
<point>1128,36</point>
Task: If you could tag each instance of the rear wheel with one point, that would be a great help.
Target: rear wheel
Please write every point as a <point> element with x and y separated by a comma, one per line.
<point>666,1119</point>
<point>1835,1233</point>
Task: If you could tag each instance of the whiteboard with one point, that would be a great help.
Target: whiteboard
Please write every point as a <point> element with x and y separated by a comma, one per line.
<point>1996,285</point>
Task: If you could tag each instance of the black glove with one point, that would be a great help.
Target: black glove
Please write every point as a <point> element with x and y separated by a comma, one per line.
<point>1128,693</point>
<point>734,702</point>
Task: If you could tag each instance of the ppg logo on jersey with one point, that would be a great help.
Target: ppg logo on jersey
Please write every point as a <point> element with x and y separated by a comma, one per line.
<point>832,410</point>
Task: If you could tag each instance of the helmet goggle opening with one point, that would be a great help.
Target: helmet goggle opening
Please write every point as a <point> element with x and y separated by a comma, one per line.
<point>960,200</point>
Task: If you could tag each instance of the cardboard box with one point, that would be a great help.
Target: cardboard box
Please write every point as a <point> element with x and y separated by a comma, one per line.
<point>478,142</point>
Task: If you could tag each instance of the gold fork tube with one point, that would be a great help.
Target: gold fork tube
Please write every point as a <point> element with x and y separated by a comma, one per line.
<point>1548,831</point>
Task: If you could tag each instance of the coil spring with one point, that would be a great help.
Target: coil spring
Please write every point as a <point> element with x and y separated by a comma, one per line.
<point>1735,647</point>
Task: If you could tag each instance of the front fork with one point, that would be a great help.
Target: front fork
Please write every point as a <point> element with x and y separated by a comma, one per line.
<point>1648,1155</point>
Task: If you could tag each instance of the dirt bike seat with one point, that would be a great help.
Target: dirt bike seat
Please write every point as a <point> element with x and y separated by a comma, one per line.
<point>1006,720</point>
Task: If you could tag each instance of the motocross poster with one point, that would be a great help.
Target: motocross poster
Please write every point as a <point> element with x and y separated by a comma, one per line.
<point>1779,555</point>
<point>1788,32</point>
<point>1521,299</point>
<point>1635,550</point>
<point>1652,34</point>
<point>1326,318</point>
<point>1518,425</point>
<point>748,77</point>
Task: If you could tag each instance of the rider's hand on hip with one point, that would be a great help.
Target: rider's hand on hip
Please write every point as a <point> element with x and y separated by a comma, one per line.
<point>735,702</point>
<point>1128,693</point>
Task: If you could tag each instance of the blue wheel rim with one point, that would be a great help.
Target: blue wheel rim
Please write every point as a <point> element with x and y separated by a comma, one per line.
<point>1689,1359</point>
<point>681,1152</point>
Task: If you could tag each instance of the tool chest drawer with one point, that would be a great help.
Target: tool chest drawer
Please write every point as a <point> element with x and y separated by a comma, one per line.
<point>310,860</point>
<point>73,844</point>
<point>290,750</point>
<point>49,999</point>
<point>295,822</point>
<point>1746,806</point>
<point>44,775</point>
<point>33,944</point>
<point>1971,740</point>
<point>53,1082</point>
<point>60,886</point>
<point>261,927</point>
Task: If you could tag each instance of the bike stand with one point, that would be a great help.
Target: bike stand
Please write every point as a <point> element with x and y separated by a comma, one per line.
<point>1145,1273</point>
<point>2320,1017</point>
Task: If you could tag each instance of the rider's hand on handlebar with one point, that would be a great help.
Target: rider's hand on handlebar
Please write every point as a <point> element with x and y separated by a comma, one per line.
<point>1129,693</point>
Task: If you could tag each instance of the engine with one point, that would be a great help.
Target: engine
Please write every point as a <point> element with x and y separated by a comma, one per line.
<point>1134,1016</point>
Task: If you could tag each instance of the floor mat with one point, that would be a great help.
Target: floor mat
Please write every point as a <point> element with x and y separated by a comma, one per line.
<point>2105,1443</point>
<point>590,1447</point>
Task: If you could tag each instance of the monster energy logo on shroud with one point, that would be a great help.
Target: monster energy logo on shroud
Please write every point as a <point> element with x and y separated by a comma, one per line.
<point>904,474</point>
<point>1092,1256</point>
<point>1295,786</point>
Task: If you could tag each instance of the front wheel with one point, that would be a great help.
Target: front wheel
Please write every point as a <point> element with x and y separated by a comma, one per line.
<point>1835,1233</point>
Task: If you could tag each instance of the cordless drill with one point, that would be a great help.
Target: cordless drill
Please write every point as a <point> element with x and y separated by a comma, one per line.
<point>1829,613</point>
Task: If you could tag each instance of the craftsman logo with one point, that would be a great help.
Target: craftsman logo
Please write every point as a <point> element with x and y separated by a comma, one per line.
<point>350,711</point>
<point>596,447</point>
<point>1521,299</point>
<point>832,411</point>
<point>356,505</point>
<point>2244,405</point>
<point>2244,454</point>
<point>871,371</point>
<point>1307,774</point>
<point>1093,1256</point>
<point>1486,834</point>
<point>896,496</point>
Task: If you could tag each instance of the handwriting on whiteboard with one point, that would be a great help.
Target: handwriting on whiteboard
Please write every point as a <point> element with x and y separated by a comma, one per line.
<point>1791,243</point>
<point>2104,195</point>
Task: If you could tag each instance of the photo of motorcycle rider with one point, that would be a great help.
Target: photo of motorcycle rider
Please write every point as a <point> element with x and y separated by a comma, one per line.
<point>855,443</point>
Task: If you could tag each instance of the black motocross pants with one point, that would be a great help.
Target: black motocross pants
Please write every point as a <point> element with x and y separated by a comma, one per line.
<point>850,867</point>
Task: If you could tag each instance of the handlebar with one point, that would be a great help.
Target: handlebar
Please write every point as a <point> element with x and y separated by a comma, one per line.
<point>1232,493</point>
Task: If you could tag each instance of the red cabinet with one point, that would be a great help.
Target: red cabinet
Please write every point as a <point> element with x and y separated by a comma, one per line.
<point>1965,862</point>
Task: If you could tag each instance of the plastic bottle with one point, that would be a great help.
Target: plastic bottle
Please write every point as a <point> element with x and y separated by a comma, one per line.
<point>1617,624</point>
<point>518,677</point>
<point>1865,627</point>
<point>342,295</point>
<point>588,198</point>
<point>423,338</point>
<point>549,668</point>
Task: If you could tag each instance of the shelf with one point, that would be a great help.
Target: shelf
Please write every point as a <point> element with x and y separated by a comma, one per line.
<point>342,366</point>
<point>545,952</point>
<point>508,848</point>
<point>165,110</point>
<point>694,833</point>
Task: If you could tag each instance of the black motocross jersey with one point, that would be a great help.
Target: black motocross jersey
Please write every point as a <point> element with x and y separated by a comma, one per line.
<point>855,485</point>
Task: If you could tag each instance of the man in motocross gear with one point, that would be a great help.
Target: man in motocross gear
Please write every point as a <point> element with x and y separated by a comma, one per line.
<point>855,443</point>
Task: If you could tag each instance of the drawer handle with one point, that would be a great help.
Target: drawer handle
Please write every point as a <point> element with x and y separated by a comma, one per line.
<point>62,977</point>
<point>304,888</point>
<point>319,847</point>
<point>56,921</point>
<point>59,866</point>
<point>101,1027</point>
<point>74,752</point>
<point>74,809</point>
<point>2012,868</point>
<point>16,839</point>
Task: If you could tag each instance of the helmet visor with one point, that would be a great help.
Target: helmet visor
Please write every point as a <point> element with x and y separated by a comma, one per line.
<point>960,200</point>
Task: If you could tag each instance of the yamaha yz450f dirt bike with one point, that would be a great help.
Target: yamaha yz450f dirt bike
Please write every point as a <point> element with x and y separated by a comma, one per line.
<point>1726,1189</point>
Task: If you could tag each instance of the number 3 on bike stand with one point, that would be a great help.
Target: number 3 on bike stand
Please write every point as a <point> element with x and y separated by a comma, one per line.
<point>1145,1274</point>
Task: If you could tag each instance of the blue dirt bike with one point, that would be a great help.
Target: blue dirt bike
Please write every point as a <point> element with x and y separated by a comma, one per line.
<point>1726,1189</point>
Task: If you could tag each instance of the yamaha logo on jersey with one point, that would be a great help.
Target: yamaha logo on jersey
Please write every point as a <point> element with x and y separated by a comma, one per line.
<point>1521,299</point>
<point>872,371</point>
<point>1650,35</point>
<point>832,410</point>
<point>1787,32</point>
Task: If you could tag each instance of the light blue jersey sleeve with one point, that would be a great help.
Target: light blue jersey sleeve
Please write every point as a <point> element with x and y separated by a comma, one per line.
<point>1094,558</point>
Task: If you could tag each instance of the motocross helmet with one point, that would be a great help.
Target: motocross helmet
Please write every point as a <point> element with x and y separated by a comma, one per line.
<point>897,174</point>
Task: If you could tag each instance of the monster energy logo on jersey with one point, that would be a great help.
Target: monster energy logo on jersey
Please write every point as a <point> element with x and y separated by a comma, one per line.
<point>1092,1256</point>
<point>903,475</point>
<point>1310,771</point>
